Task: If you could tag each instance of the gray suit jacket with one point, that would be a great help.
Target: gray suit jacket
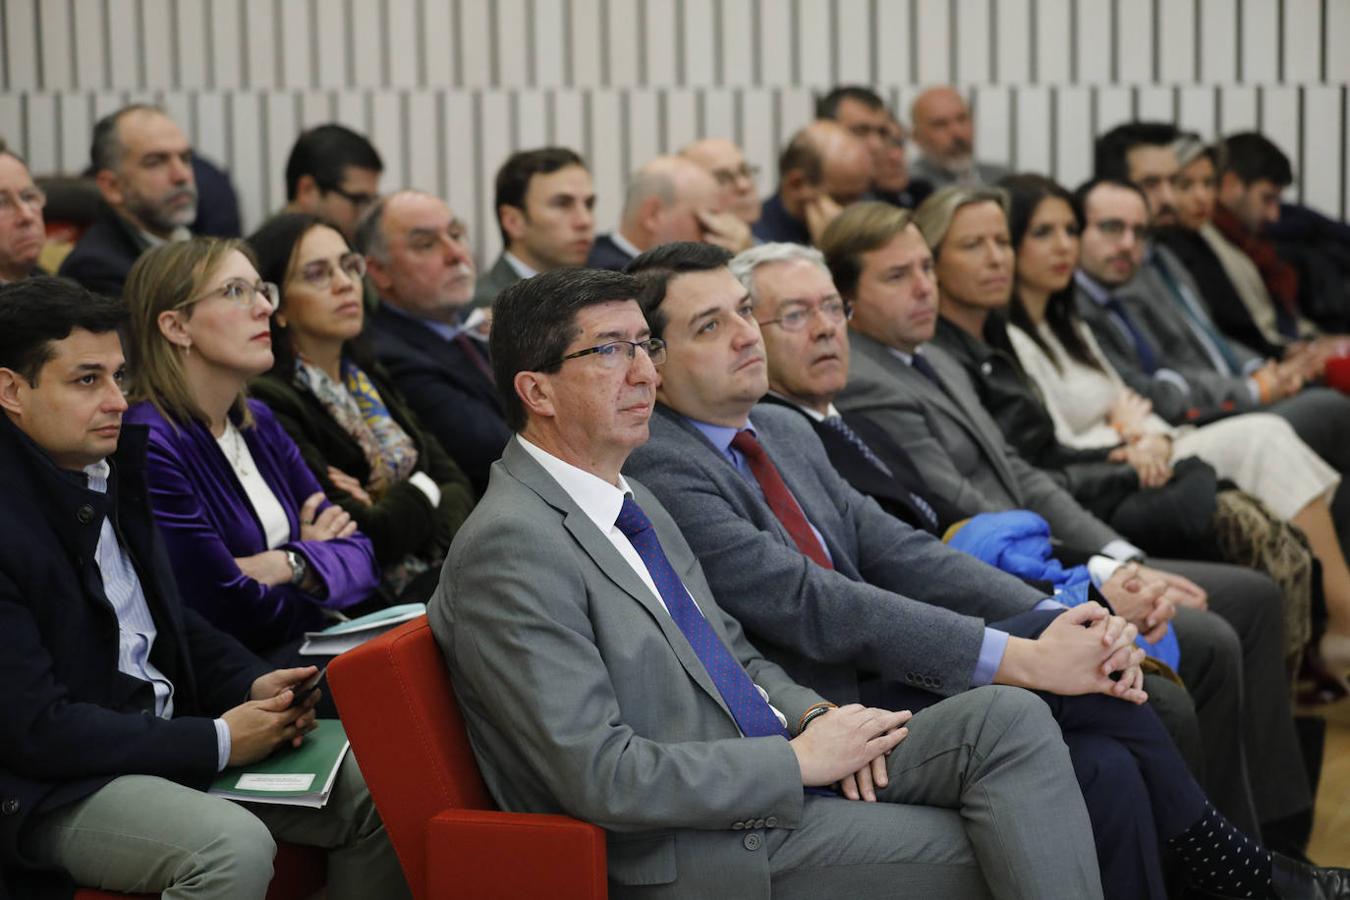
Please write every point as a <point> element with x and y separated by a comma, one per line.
<point>492,282</point>
<point>1187,378</point>
<point>583,697</point>
<point>938,177</point>
<point>824,626</point>
<point>956,445</point>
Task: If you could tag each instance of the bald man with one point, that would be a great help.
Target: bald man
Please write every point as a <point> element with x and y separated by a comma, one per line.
<point>823,169</point>
<point>946,136</point>
<point>724,161</point>
<point>669,199</point>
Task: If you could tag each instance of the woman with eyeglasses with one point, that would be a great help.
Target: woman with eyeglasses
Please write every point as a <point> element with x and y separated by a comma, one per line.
<point>254,544</point>
<point>353,428</point>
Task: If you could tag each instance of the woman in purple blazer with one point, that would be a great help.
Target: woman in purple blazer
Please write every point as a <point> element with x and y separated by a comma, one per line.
<point>254,545</point>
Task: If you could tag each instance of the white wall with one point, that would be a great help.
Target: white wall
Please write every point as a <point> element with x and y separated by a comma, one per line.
<point>447,88</point>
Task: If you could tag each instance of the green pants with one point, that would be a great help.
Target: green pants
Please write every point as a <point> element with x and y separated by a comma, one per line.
<point>145,834</point>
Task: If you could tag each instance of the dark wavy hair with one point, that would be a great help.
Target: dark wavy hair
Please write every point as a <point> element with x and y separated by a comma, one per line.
<point>1026,193</point>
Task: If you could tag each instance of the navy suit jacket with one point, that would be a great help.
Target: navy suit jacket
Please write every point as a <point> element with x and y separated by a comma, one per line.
<point>70,721</point>
<point>605,254</point>
<point>447,389</point>
<point>104,254</point>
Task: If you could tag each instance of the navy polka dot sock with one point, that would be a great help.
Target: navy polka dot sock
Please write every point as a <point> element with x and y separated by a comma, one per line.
<point>1222,860</point>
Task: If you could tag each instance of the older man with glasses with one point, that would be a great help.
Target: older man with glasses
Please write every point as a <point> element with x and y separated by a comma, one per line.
<point>21,229</point>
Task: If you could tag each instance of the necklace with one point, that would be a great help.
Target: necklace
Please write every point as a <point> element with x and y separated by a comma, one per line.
<point>238,450</point>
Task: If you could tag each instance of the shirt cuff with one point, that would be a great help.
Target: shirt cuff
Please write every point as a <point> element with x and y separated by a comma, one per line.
<point>422,481</point>
<point>1102,568</point>
<point>1173,377</point>
<point>991,655</point>
<point>1254,389</point>
<point>1049,603</point>
<point>222,745</point>
<point>1122,550</point>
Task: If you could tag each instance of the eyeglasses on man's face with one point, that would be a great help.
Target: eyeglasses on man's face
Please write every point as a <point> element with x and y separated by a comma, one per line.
<point>318,273</point>
<point>619,354</point>
<point>358,199</point>
<point>31,197</point>
<point>1116,228</point>
<point>836,311</point>
<point>241,293</point>
<point>728,177</point>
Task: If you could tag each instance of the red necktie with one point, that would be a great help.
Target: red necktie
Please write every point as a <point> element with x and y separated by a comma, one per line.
<point>475,356</point>
<point>780,499</point>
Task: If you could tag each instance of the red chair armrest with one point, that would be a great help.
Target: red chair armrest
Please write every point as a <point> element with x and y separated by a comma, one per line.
<point>490,854</point>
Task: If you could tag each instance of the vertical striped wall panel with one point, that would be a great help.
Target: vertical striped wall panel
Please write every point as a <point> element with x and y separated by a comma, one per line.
<point>447,88</point>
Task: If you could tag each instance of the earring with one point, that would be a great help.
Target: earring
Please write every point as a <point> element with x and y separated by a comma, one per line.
<point>187,348</point>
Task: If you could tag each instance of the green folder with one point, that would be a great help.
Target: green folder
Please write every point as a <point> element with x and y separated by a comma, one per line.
<point>291,776</point>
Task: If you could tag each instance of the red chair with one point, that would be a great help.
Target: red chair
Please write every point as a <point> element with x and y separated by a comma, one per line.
<point>399,709</point>
<point>297,872</point>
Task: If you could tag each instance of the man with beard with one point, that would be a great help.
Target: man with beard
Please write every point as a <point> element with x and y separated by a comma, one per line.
<point>419,262</point>
<point>142,164</point>
<point>21,229</point>
<point>946,135</point>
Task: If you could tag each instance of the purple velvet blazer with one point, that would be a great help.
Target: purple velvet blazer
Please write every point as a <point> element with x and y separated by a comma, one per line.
<point>207,521</point>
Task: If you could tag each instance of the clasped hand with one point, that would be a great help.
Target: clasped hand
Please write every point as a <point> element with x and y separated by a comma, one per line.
<point>267,719</point>
<point>848,746</point>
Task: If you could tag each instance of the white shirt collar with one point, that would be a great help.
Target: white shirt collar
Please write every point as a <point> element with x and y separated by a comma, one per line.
<point>517,265</point>
<point>624,244</point>
<point>815,416</point>
<point>97,474</point>
<point>900,354</point>
<point>598,499</point>
<point>180,233</point>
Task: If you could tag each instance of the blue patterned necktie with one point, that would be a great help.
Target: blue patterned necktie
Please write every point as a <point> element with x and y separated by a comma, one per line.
<point>840,427</point>
<point>748,707</point>
<point>1148,360</point>
<point>925,368</point>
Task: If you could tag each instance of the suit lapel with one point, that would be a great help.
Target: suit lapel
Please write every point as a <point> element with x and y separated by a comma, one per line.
<point>607,559</point>
<point>972,413</point>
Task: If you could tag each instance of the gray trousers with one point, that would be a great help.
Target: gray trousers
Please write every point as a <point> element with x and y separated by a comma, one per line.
<point>982,802</point>
<point>145,834</point>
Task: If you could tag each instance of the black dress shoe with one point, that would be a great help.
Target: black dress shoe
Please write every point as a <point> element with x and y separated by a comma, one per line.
<point>1300,881</point>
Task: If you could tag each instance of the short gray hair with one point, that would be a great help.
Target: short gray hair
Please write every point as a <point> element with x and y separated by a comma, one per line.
<point>105,150</point>
<point>745,263</point>
<point>646,184</point>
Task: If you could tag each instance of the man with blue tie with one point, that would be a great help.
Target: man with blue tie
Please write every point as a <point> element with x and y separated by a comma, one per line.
<point>599,676</point>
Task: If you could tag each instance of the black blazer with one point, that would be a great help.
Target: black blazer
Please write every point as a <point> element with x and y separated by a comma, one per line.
<point>605,254</point>
<point>70,722</point>
<point>104,255</point>
<point>892,492</point>
<point>451,395</point>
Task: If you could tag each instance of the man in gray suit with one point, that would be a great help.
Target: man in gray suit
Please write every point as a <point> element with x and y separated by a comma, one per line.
<point>1146,312</point>
<point>945,134</point>
<point>902,385</point>
<point>545,209</point>
<point>600,678</point>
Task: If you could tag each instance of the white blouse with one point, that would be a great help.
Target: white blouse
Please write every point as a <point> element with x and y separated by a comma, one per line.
<point>1078,397</point>
<point>276,527</point>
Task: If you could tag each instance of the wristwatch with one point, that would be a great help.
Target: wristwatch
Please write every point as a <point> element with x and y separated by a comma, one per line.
<point>299,567</point>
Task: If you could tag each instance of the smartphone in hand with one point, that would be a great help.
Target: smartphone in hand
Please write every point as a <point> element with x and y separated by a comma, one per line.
<point>304,689</point>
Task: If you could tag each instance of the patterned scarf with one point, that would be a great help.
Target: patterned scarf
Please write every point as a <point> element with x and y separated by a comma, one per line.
<point>356,406</point>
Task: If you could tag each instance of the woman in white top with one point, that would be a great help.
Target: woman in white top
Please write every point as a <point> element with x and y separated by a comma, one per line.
<point>1092,407</point>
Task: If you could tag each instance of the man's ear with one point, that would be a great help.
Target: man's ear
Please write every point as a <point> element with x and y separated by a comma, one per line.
<point>110,186</point>
<point>535,391</point>
<point>306,192</point>
<point>513,221</point>
<point>378,275</point>
<point>1230,185</point>
<point>11,396</point>
<point>796,185</point>
<point>649,215</point>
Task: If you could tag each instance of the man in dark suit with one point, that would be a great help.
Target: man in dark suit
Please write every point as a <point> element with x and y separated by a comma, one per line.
<point>600,677</point>
<point>418,260</point>
<point>142,163</point>
<point>545,206</point>
<point>333,173</point>
<point>21,230</point>
<point>669,199</point>
<point>821,170</point>
<point>122,704</point>
<point>832,587</point>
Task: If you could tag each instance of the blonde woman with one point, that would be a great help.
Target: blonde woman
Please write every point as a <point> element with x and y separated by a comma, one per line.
<point>255,546</point>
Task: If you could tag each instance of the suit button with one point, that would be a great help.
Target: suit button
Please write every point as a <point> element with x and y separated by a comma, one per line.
<point>771,821</point>
<point>9,807</point>
<point>759,823</point>
<point>752,841</point>
<point>737,826</point>
<point>85,514</point>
